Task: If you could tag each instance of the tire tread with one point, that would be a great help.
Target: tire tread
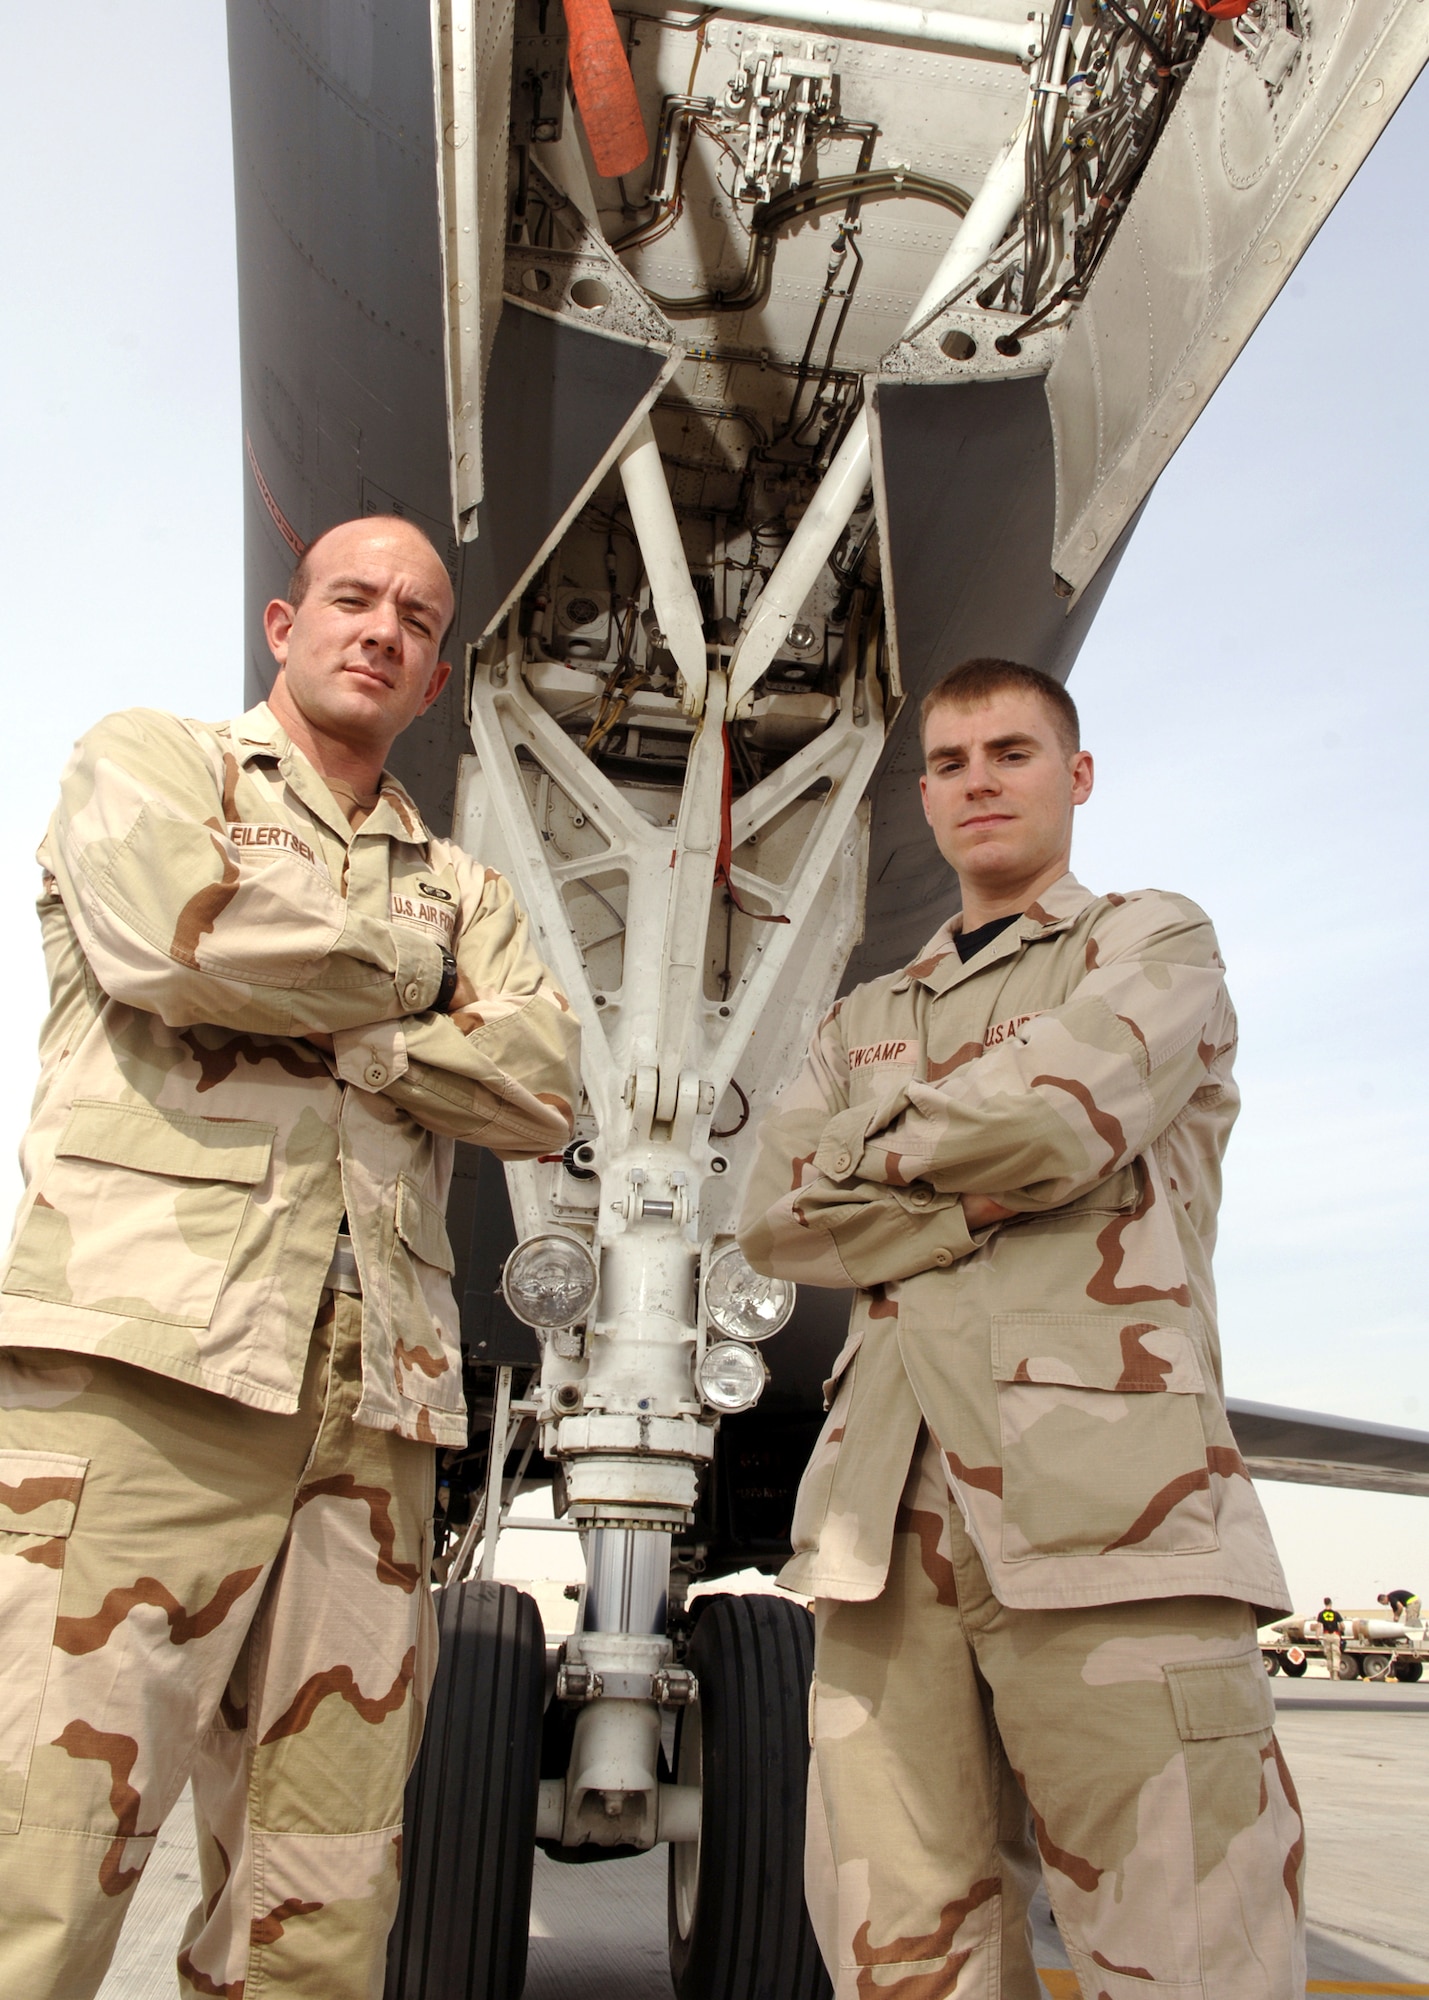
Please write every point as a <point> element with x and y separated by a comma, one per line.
<point>753,1657</point>
<point>470,1813</point>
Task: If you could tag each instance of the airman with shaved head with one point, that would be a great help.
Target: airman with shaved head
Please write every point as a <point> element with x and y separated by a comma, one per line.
<point>228,1342</point>
<point>1033,1545</point>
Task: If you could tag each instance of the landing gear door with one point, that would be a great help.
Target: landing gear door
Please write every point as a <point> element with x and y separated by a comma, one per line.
<point>1280,110</point>
<point>561,399</point>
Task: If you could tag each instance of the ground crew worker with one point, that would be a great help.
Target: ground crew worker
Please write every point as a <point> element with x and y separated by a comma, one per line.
<point>1404,1605</point>
<point>1332,1631</point>
<point>227,1335</point>
<point>1032,1542</point>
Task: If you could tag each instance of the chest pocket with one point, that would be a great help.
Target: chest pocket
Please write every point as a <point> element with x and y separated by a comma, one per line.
<point>1102,1444</point>
<point>140,1211</point>
<point>427,901</point>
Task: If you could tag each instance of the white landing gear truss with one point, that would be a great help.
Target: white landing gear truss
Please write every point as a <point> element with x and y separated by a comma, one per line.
<point>699,936</point>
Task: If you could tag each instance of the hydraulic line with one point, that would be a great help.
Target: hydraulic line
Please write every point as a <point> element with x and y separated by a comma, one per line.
<point>771,218</point>
<point>844,243</point>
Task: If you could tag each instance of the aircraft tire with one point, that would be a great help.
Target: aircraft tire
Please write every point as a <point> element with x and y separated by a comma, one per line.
<point>470,1813</point>
<point>1295,1668</point>
<point>1408,1670</point>
<point>739,1928</point>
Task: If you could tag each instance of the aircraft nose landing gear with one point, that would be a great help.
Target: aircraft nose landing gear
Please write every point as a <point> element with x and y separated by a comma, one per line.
<point>733,1818</point>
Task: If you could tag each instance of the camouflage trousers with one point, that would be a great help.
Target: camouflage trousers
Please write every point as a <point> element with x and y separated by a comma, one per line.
<point>192,1589</point>
<point>1130,1745</point>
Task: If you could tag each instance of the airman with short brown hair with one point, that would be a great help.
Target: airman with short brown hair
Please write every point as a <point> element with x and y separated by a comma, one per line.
<point>1033,1546</point>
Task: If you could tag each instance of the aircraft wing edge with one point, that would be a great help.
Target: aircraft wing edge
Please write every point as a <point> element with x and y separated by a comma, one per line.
<point>1313,1448</point>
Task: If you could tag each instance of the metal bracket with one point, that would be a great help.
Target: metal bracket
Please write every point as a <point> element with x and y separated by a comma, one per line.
<point>672,1208</point>
<point>959,344</point>
<point>584,280</point>
<point>668,1687</point>
<point>674,1687</point>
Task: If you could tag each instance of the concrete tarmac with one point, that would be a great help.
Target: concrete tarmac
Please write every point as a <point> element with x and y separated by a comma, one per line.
<point>1359,1752</point>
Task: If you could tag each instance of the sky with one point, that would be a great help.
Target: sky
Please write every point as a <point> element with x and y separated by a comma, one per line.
<point>1254,687</point>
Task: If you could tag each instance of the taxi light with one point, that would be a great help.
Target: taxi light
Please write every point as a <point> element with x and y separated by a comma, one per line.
<point>732,1376</point>
<point>549,1281</point>
<point>740,1302</point>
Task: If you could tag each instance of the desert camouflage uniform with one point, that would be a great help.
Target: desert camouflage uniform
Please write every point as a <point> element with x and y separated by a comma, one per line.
<point>215,1470</point>
<point>1063,1370</point>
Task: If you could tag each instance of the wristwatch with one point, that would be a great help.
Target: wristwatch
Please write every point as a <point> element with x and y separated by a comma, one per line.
<point>446,992</point>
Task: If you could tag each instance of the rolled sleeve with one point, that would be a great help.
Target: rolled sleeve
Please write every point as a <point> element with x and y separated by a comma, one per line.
<point>839,1153</point>
<point>881,1235</point>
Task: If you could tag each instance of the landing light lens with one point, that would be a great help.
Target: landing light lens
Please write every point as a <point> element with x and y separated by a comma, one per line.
<point>740,1302</point>
<point>549,1281</point>
<point>732,1376</point>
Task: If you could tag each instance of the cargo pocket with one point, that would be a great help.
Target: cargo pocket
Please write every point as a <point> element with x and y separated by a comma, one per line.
<point>423,1311</point>
<point>1102,1444</point>
<point>39,1492</point>
<point>139,1212</point>
<point>1225,1717</point>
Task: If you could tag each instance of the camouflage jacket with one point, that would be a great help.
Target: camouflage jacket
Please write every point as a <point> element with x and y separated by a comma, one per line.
<point>205,906</point>
<point>1078,1068</point>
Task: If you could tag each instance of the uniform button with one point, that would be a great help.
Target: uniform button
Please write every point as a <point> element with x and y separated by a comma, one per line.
<point>375,1074</point>
<point>412,992</point>
<point>921,1196</point>
<point>943,1257</point>
<point>842,1163</point>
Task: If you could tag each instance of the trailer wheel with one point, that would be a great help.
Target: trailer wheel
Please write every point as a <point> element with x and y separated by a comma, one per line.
<point>1408,1670</point>
<point>1295,1668</point>
<point>1272,1661</point>
<point>1374,1666</point>
<point>739,1929</point>
<point>1349,1667</point>
<point>470,1812</point>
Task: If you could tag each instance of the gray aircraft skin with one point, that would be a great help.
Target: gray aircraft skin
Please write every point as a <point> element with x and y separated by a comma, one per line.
<point>345,413</point>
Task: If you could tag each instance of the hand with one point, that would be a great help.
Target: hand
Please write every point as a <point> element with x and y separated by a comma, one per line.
<point>980,1211</point>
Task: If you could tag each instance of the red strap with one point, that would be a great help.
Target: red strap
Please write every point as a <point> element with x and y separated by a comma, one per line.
<point>724,857</point>
<point>605,89</point>
<point>1224,10</point>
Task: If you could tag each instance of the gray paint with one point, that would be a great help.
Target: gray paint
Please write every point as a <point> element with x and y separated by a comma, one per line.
<point>969,485</point>
<point>557,398</point>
